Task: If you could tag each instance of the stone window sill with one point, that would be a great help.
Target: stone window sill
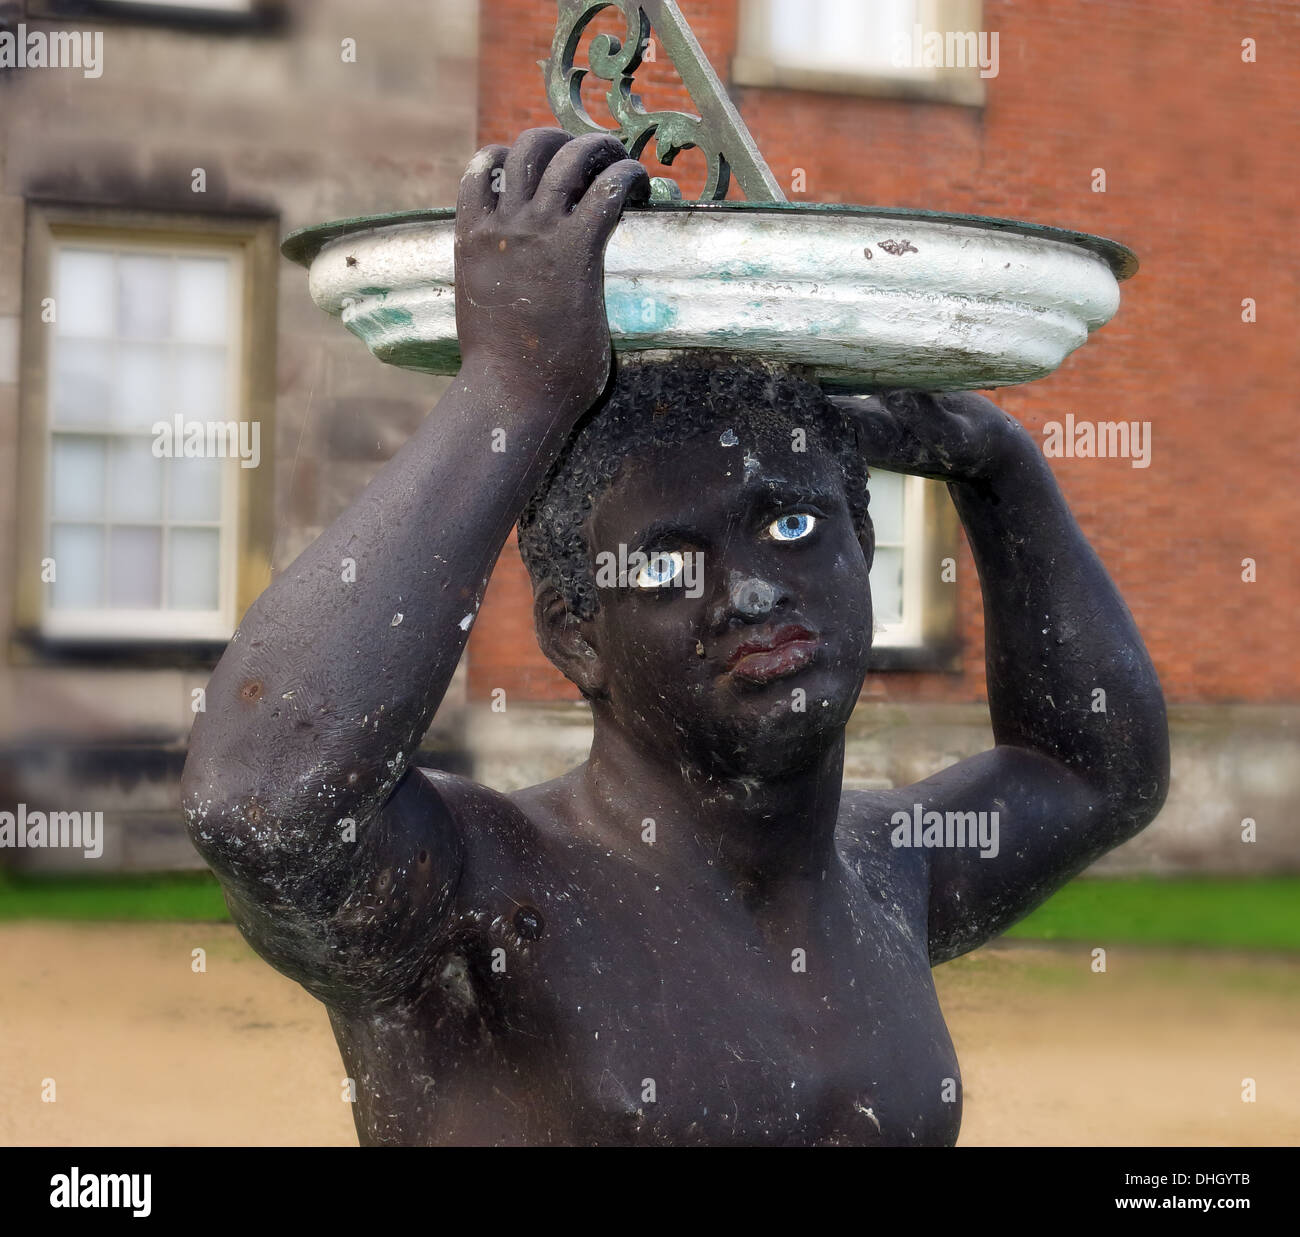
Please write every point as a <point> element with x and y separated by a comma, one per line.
<point>952,86</point>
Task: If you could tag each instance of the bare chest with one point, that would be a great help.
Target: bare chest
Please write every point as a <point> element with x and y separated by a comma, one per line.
<point>639,1020</point>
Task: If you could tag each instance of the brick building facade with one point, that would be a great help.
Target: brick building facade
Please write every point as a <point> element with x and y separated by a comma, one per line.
<point>1191,135</point>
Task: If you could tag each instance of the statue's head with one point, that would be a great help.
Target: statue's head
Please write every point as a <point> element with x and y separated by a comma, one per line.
<point>700,555</point>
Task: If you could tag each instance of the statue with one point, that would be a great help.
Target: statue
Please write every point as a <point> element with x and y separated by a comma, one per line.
<point>697,936</point>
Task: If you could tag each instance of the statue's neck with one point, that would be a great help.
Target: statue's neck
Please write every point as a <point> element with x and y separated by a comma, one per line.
<point>764,832</point>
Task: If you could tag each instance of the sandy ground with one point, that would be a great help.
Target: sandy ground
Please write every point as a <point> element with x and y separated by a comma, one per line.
<point>142,1050</point>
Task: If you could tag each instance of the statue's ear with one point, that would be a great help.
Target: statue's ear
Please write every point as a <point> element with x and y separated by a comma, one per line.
<point>564,640</point>
<point>867,540</point>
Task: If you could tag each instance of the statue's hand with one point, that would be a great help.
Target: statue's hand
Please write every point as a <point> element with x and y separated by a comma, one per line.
<point>955,436</point>
<point>532,222</point>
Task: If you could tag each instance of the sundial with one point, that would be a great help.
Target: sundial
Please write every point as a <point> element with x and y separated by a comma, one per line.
<point>864,297</point>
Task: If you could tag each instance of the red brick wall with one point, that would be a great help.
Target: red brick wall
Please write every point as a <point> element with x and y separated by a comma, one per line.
<point>1199,153</point>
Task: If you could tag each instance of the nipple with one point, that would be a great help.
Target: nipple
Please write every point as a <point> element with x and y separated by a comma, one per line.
<point>528,923</point>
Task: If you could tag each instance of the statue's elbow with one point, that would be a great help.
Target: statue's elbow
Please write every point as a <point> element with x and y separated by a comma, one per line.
<point>1141,791</point>
<point>224,820</point>
<point>207,808</point>
<point>1148,798</point>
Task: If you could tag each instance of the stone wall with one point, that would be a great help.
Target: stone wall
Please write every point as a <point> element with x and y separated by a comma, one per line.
<point>286,128</point>
<point>1229,764</point>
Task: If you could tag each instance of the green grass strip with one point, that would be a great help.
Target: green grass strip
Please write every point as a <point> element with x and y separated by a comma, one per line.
<point>161,896</point>
<point>1229,912</point>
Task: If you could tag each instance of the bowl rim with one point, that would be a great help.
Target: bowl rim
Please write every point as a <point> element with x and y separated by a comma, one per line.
<point>303,245</point>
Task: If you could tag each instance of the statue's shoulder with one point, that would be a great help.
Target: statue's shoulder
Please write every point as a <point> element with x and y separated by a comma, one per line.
<point>863,832</point>
<point>468,801</point>
<point>493,827</point>
<point>860,808</point>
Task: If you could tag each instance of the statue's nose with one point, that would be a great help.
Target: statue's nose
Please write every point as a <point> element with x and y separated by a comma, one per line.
<point>752,598</point>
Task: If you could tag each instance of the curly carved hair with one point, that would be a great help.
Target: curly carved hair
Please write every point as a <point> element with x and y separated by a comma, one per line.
<point>665,403</point>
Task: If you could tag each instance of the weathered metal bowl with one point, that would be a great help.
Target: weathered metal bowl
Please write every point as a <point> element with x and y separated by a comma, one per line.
<point>871,298</point>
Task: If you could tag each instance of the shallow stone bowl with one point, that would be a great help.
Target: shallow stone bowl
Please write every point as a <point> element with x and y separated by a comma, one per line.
<point>869,298</point>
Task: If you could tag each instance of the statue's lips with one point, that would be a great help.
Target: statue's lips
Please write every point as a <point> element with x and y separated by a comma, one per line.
<point>765,658</point>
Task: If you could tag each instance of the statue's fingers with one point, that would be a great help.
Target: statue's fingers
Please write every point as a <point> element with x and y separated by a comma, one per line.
<point>570,173</point>
<point>527,162</point>
<point>602,204</point>
<point>881,436</point>
<point>968,403</point>
<point>913,406</point>
<point>480,184</point>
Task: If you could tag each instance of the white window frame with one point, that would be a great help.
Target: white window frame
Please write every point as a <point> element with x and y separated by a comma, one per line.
<point>120,625</point>
<point>197,6</point>
<point>909,633</point>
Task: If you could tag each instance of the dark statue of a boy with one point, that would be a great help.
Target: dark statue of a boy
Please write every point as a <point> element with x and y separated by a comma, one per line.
<point>697,936</point>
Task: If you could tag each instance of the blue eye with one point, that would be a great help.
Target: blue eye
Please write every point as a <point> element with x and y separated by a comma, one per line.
<point>792,527</point>
<point>662,567</point>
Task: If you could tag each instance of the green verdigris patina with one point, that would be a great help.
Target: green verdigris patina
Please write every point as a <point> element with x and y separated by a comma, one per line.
<point>718,131</point>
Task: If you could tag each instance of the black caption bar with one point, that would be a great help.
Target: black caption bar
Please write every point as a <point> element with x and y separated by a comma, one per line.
<point>171,1186</point>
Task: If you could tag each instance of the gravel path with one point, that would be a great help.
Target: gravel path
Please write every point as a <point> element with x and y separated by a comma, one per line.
<point>143,1050</point>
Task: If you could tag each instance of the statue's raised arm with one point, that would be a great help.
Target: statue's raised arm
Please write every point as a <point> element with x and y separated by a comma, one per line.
<point>1082,756</point>
<point>330,682</point>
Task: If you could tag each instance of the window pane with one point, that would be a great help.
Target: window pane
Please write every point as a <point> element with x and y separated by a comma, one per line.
<point>142,396</point>
<point>887,586</point>
<point>135,480</point>
<point>841,34</point>
<point>794,35</point>
<point>83,295</point>
<point>82,382</point>
<point>134,567</point>
<point>193,569</point>
<point>195,489</point>
<point>143,335</point>
<point>840,26</point>
<point>200,381</point>
<point>143,297</point>
<point>886,507</point>
<point>77,478</point>
<point>78,552</point>
<point>202,299</point>
<point>887,21</point>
